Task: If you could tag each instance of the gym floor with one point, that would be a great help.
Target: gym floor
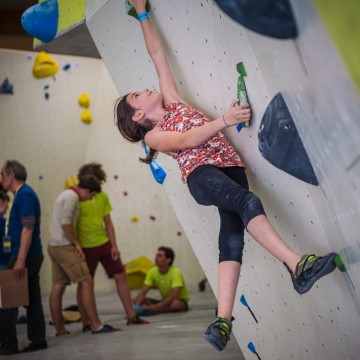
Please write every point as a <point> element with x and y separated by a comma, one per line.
<point>176,336</point>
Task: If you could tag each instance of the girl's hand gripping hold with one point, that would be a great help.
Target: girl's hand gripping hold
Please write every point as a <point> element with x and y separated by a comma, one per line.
<point>237,113</point>
<point>139,5</point>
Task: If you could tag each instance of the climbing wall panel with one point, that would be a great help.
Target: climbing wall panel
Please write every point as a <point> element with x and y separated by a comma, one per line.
<point>204,46</point>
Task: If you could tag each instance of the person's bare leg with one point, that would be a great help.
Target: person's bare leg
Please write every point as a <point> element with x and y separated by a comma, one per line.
<point>177,305</point>
<point>124,294</point>
<point>88,300</point>
<point>84,317</point>
<point>228,278</point>
<point>55,304</point>
<point>262,231</point>
<point>229,271</point>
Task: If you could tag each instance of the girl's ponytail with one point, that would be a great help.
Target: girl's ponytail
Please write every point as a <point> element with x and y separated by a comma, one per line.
<point>150,156</point>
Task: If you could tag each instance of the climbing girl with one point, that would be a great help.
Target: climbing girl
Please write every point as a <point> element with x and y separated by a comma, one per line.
<point>214,174</point>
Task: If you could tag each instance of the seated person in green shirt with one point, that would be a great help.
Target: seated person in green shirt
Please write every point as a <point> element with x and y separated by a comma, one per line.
<point>169,281</point>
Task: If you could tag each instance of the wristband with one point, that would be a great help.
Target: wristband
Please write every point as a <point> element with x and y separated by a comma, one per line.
<point>144,15</point>
<point>223,117</point>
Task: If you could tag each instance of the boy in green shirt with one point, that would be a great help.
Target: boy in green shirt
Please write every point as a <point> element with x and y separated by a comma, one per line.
<point>96,234</point>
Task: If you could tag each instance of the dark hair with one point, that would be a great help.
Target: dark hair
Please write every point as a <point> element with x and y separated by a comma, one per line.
<point>13,166</point>
<point>130,129</point>
<point>4,196</point>
<point>89,182</point>
<point>169,253</point>
<point>93,169</point>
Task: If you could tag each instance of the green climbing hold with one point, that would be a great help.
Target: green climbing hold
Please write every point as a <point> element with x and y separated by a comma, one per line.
<point>339,263</point>
<point>241,89</point>
<point>130,10</point>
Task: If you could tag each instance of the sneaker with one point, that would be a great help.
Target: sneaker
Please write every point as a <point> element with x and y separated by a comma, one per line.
<point>105,329</point>
<point>137,320</point>
<point>5,351</point>
<point>310,269</point>
<point>35,347</point>
<point>218,333</point>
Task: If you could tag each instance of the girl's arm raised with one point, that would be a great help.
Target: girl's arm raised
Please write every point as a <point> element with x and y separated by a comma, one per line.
<point>157,53</point>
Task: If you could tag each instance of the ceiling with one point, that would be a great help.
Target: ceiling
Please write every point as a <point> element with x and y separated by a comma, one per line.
<point>14,37</point>
<point>16,4</point>
<point>12,34</point>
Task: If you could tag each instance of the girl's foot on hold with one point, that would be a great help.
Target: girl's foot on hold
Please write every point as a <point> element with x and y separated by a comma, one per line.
<point>218,333</point>
<point>310,269</point>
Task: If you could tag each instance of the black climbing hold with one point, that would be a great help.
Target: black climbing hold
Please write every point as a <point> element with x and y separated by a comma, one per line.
<point>280,143</point>
<point>272,18</point>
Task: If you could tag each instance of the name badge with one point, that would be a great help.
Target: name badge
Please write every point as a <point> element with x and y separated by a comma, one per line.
<point>6,240</point>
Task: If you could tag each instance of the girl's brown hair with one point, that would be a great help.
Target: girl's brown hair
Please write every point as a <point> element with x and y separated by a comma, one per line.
<point>130,129</point>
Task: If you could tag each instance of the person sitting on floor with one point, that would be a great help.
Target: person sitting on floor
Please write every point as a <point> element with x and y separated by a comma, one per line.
<point>169,281</point>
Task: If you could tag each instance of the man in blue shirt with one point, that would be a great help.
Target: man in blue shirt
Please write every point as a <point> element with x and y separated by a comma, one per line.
<point>23,230</point>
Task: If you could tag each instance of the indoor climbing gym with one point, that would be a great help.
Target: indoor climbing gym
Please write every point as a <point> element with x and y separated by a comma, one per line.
<point>180,179</point>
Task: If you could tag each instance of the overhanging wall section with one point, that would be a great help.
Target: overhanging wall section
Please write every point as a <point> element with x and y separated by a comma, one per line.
<point>204,46</point>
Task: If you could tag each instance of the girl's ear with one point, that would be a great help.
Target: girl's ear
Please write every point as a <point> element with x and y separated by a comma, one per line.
<point>139,115</point>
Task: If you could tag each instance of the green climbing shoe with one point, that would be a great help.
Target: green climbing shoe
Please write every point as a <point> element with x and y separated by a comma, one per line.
<point>218,333</point>
<point>310,269</point>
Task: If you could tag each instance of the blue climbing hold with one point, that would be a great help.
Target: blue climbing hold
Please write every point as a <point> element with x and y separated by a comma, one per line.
<point>66,67</point>
<point>41,20</point>
<point>6,87</point>
<point>243,301</point>
<point>251,347</point>
<point>157,171</point>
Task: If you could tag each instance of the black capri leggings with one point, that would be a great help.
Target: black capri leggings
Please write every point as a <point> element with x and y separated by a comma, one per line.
<point>227,189</point>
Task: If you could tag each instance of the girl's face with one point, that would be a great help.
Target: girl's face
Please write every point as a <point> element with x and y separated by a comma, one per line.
<point>145,100</point>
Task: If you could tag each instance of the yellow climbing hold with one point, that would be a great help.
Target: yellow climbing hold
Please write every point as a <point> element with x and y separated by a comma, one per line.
<point>84,100</point>
<point>44,65</point>
<point>136,271</point>
<point>86,116</point>
<point>134,218</point>
<point>71,181</point>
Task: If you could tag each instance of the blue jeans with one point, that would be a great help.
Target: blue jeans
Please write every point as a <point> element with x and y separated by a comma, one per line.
<point>227,189</point>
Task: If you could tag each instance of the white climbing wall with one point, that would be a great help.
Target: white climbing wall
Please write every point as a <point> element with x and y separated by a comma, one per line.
<point>204,45</point>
